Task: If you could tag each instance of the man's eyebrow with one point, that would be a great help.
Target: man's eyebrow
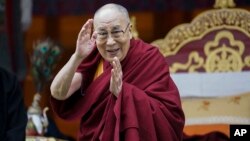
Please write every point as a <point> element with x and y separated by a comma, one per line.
<point>112,28</point>
<point>101,29</point>
<point>116,27</point>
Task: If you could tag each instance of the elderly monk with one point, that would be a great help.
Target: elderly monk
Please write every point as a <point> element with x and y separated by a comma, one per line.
<point>119,87</point>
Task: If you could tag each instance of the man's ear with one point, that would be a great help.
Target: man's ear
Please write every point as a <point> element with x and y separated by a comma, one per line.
<point>130,31</point>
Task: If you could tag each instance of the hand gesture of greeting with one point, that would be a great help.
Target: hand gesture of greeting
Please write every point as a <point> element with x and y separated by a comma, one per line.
<point>85,41</point>
<point>116,77</point>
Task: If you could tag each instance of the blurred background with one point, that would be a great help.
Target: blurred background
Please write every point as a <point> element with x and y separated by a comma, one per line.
<point>23,22</point>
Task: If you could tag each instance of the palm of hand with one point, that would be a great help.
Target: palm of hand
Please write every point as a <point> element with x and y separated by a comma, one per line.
<point>116,77</point>
<point>85,42</point>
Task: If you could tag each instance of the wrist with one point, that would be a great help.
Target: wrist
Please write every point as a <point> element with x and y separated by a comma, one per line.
<point>76,59</point>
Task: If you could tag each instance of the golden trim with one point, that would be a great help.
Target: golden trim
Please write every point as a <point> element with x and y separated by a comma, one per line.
<point>205,22</point>
<point>194,62</point>
<point>224,58</point>
<point>224,4</point>
<point>218,58</point>
<point>247,61</point>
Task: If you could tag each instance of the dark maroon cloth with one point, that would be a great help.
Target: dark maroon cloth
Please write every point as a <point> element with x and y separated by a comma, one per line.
<point>147,109</point>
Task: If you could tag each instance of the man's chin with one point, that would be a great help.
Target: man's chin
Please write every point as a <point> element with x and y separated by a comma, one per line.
<point>110,59</point>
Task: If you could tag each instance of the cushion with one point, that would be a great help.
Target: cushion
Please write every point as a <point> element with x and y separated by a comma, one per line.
<point>222,110</point>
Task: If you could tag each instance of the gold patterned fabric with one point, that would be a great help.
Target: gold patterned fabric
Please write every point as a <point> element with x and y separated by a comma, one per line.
<point>215,41</point>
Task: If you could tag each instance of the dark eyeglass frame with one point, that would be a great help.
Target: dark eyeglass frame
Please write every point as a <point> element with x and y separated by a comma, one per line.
<point>113,32</point>
<point>125,29</point>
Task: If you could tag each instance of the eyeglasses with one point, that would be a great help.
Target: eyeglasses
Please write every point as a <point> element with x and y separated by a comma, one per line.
<point>116,34</point>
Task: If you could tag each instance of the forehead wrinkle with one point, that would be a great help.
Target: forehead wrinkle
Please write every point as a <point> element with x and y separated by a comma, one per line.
<point>108,25</point>
<point>116,27</point>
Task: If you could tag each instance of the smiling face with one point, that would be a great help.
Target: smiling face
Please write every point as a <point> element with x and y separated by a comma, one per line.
<point>113,34</point>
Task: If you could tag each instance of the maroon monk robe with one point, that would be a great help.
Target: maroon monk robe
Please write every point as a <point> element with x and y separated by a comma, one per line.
<point>147,109</point>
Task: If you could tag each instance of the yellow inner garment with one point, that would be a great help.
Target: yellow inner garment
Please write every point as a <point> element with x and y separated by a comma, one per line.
<point>99,69</point>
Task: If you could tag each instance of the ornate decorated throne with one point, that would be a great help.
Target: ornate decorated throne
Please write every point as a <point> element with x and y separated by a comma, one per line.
<point>209,60</point>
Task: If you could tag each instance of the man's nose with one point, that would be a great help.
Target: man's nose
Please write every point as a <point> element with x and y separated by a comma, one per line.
<point>110,40</point>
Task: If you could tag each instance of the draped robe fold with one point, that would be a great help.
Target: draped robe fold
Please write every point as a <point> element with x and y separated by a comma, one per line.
<point>148,108</point>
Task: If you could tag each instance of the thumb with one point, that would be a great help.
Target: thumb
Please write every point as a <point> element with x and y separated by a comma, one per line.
<point>94,36</point>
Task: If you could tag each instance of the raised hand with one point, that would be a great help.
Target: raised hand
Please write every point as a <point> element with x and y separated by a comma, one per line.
<point>116,77</point>
<point>85,41</point>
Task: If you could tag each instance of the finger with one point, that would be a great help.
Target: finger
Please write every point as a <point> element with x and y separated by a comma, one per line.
<point>117,63</point>
<point>92,40</point>
<point>112,75</point>
<point>117,67</point>
<point>118,77</point>
<point>89,26</point>
<point>81,31</point>
<point>112,81</point>
<point>86,26</point>
<point>113,63</point>
<point>114,72</point>
<point>114,69</point>
<point>118,70</point>
<point>94,36</point>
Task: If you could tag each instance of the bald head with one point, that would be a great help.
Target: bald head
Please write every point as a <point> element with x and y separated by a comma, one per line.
<point>114,8</point>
